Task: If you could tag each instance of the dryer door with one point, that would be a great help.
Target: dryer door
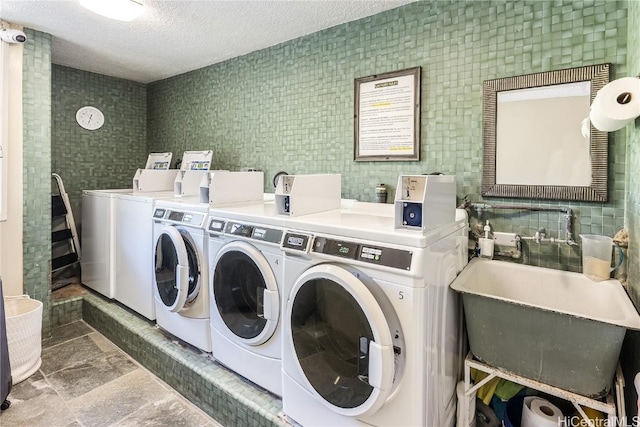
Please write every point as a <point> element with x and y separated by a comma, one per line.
<point>341,340</point>
<point>246,293</point>
<point>177,275</point>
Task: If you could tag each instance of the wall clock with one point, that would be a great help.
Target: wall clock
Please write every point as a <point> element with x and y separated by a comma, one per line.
<point>90,118</point>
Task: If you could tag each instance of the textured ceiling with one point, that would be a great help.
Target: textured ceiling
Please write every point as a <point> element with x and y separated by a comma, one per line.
<point>174,36</point>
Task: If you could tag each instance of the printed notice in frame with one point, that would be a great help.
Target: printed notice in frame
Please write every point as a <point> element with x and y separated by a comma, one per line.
<point>387,116</point>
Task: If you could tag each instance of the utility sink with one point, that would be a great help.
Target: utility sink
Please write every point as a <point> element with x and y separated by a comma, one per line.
<point>552,326</point>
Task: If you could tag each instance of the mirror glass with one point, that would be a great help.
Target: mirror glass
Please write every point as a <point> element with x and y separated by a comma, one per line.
<point>533,143</point>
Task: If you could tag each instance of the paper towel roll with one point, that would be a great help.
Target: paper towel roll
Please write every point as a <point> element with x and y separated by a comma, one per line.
<point>539,412</point>
<point>616,104</point>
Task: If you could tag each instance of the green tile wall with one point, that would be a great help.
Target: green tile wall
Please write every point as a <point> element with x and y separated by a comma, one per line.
<point>290,107</point>
<point>633,155</point>
<point>104,158</point>
<point>36,95</point>
<point>630,359</point>
<point>66,311</point>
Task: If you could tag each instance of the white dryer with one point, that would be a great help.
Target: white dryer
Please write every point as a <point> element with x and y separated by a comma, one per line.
<point>181,270</point>
<point>245,285</point>
<point>98,240</point>
<point>372,334</point>
<point>98,230</point>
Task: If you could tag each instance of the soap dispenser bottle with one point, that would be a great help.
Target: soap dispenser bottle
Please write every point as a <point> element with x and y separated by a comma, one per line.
<point>486,243</point>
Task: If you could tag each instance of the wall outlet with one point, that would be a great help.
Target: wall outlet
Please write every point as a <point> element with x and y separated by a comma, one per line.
<point>504,239</point>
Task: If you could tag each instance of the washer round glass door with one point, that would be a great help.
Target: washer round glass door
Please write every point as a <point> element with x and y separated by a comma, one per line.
<point>177,273</point>
<point>341,341</point>
<point>246,293</point>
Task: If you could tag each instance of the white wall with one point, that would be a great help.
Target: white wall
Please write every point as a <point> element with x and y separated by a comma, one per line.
<point>11,230</point>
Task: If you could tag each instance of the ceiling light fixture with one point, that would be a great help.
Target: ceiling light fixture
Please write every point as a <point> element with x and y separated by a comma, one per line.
<point>122,10</point>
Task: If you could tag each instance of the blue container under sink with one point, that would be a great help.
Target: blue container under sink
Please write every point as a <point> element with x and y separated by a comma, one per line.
<point>513,413</point>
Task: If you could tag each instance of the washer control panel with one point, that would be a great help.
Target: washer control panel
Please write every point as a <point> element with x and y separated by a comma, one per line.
<point>380,255</point>
<point>238,229</point>
<point>297,242</point>
<point>248,231</point>
<point>179,217</point>
<point>216,225</point>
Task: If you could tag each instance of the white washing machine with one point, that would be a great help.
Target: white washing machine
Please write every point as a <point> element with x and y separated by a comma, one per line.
<point>181,270</point>
<point>98,240</point>
<point>372,334</point>
<point>134,228</point>
<point>246,289</point>
<point>245,285</point>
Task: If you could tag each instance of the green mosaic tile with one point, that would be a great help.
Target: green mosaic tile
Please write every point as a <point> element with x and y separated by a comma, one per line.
<point>36,93</point>
<point>290,107</point>
<point>104,158</point>
<point>629,359</point>
<point>66,311</point>
<point>632,207</point>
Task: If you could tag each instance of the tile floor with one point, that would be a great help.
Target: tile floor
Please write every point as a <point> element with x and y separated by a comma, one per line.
<point>85,380</point>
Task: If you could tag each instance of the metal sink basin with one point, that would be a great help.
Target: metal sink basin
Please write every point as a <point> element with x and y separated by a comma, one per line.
<point>552,326</point>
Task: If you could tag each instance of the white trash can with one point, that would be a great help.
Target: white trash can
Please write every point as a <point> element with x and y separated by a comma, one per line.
<point>24,335</point>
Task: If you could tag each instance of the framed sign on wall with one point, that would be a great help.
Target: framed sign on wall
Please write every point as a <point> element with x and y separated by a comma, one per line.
<point>387,116</point>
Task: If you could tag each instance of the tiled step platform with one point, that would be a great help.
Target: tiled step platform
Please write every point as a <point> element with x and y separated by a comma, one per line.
<point>223,395</point>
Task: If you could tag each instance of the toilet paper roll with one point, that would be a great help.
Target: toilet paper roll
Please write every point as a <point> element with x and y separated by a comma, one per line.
<point>539,412</point>
<point>616,104</point>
